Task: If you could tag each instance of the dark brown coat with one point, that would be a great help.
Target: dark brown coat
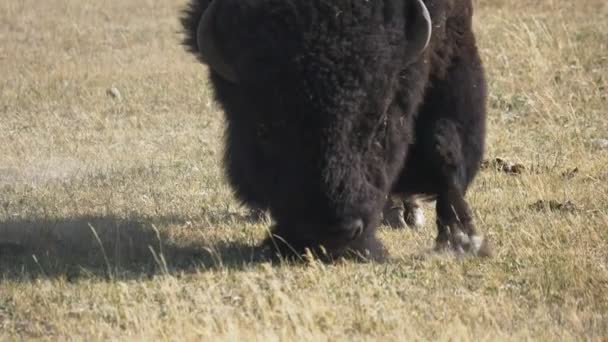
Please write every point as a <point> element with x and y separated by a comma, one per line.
<point>332,112</point>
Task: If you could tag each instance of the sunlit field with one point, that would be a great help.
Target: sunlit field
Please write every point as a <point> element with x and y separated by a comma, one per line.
<point>116,221</point>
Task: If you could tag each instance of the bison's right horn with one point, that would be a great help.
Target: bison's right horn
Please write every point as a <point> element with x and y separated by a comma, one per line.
<point>419,30</point>
<point>210,53</point>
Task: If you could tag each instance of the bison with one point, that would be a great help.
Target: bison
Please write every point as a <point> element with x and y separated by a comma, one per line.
<point>333,106</point>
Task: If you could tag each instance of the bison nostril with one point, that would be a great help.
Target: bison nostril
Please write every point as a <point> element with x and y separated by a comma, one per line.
<point>355,228</point>
<point>350,229</point>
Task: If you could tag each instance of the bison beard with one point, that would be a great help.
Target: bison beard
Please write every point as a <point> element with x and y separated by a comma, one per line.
<point>334,105</point>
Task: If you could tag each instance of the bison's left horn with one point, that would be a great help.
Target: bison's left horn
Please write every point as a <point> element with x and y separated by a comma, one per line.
<point>207,45</point>
<point>420,28</point>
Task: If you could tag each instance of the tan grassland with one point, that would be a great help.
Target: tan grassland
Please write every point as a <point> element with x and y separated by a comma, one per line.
<point>116,222</point>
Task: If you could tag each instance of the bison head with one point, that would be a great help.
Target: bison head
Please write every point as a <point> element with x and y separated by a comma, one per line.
<point>318,97</point>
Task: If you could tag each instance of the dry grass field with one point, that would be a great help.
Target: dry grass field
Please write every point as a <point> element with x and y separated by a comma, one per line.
<point>116,221</point>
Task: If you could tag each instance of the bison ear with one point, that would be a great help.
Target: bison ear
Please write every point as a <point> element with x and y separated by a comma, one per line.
<point>208,48</point>
<point>418,30</point>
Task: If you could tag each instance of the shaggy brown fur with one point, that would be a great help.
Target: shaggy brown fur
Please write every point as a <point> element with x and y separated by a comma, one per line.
<point>330,115</point>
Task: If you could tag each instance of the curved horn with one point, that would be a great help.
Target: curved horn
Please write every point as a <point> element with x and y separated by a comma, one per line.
<point>419,30</point>
<point>210,53</point>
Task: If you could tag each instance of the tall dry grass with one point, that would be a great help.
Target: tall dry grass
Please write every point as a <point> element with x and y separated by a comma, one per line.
<point>116,221</point>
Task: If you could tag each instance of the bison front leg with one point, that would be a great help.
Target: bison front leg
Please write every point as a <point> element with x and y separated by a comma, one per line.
<point>455,226</point>
<point>454,219</point>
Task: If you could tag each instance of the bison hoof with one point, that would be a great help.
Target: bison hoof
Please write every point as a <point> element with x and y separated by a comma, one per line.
<point>414,218</point>
<point>401,218</point>
<point>394,218</point>
<point>462,244</point>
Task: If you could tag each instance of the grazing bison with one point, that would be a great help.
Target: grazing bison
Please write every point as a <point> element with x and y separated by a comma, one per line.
<point>332,106</point>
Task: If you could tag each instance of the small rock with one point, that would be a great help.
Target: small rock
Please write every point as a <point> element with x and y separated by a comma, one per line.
<point>114,93</point>
<point>553,205</point>
<point>600,144</point>
<point>500,164</point>
<point>515,168</point>
<point>569,174</point>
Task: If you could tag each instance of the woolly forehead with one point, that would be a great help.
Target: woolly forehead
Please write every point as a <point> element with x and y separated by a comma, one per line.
<point>237,36</point>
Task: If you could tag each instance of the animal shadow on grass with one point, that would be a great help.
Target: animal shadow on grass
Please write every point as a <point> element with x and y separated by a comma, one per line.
<point>112,247</point>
